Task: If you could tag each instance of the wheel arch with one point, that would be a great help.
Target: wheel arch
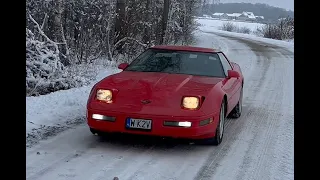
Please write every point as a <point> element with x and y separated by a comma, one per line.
<point>225,99</point>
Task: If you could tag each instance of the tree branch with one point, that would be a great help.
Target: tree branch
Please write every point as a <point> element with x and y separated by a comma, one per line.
<point>55,44</point>
<point>44,20</point>
<point>129,38</point>
<point>44,35</point>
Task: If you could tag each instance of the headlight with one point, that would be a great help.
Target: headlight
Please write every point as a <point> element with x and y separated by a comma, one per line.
<point>104,95</point>
<point>191,102</point>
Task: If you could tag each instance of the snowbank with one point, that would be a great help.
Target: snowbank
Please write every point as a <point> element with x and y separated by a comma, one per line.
<point>282,43</point>
<point>52,113</point>
<point>215,24</point>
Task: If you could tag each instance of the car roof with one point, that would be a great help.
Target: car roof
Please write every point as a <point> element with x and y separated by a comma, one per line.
<point>186,48</point>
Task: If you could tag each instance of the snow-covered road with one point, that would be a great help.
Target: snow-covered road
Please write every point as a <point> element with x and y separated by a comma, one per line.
<point>257,146</point>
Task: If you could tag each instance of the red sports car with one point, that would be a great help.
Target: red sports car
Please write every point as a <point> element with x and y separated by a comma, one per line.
<point>169,91</point>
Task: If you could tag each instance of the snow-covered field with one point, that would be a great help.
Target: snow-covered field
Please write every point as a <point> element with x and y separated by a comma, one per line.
<point>216,24</point>
<point>213,26</point>
<point>259,145</point>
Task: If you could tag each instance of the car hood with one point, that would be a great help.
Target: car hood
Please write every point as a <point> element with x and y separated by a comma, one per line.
<point>164,91</point>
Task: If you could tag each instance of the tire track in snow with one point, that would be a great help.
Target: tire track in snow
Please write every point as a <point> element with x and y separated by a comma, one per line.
<point>260,171</point>
<point>283,160</point>
<point>90,144</point>
<point>54,162</point>
<point>263,155</point>
<point>263,114</point>
<point>149,159</point>
<point>219,152</point>
<point>122,161</point>
<point>260,114</point>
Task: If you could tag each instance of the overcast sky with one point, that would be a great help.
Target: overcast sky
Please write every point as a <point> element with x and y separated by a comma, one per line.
<point>286,4</point>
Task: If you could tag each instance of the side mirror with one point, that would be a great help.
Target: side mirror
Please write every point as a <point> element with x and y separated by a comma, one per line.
<point>123,66</point>
<point>233,74</point>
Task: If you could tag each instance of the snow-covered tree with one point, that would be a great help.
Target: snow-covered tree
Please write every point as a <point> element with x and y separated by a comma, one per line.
<point>282,30</point>
<point>83,31</point>
<point>44,70</point>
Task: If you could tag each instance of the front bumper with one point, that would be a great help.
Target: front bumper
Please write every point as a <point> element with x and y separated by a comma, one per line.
<point>118,125</point>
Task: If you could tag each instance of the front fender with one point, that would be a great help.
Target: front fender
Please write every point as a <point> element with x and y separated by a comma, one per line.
<point>214,99</point>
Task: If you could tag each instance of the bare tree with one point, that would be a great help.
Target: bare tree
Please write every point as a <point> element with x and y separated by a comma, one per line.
<point>59,33</point>
<point>148,14</point>
<point>204,6</point>
<point>120,22</point>
<point>283,29</point>
<point>164,19</point>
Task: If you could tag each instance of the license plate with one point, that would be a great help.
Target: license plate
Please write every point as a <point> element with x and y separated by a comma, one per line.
<point>138,123</point>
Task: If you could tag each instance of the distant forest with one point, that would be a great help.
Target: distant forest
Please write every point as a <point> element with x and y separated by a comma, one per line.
<point>270,13</point>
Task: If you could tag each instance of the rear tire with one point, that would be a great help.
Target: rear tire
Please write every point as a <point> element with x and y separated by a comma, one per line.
<point>237,110</point>
<point>217,139</point>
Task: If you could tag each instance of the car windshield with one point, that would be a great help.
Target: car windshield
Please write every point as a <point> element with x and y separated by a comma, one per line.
<point>178,62</point>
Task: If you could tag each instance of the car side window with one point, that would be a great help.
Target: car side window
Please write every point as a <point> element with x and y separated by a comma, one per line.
<point>225,63</point>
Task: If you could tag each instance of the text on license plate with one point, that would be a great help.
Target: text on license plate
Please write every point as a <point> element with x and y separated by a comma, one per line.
<point>138,123</point>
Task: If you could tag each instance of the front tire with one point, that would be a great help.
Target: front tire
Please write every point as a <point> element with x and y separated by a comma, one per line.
<point>95,132</point>
<point>217,139</point>
<point>237,110</point>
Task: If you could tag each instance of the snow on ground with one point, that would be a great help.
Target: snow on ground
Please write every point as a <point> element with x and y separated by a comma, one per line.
<point>208,27</point>
<point>213,26</point>
<point>216,24</point>
<point>49,114</point>
<point>213,43</point>
<point>258,145</point>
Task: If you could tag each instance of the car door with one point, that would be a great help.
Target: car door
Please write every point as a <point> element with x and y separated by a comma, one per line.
<point>231,85</point>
